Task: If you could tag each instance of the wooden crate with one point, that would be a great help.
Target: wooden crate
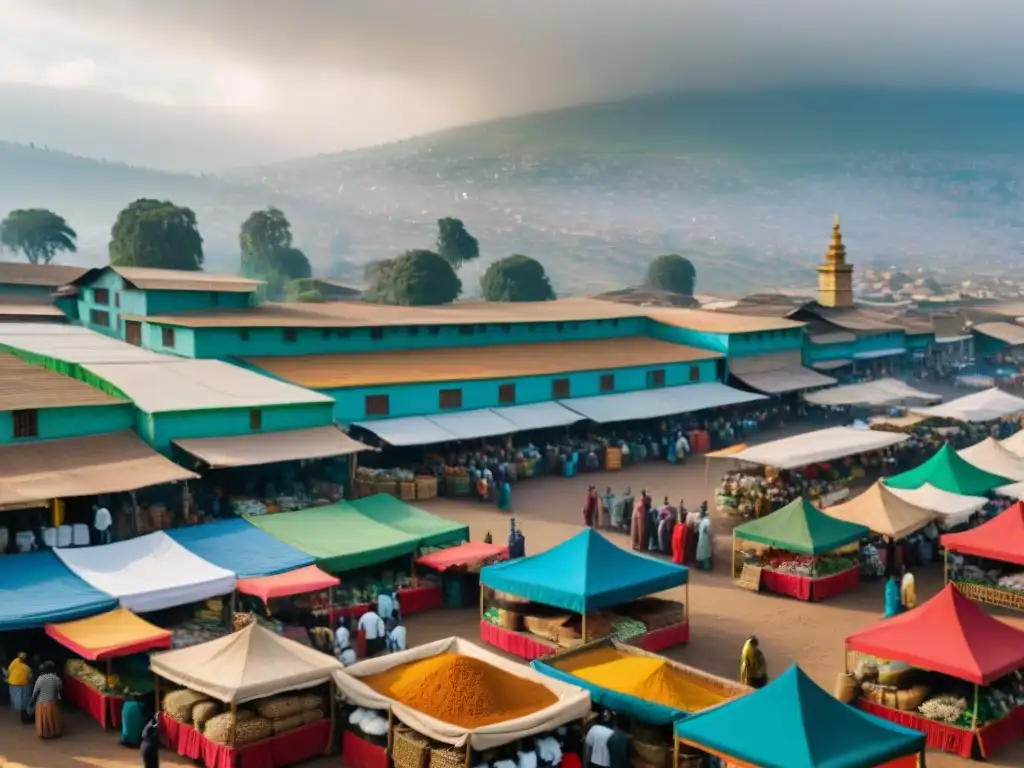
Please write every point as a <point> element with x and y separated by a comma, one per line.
<point>407,491</point>
<point>426,487</point>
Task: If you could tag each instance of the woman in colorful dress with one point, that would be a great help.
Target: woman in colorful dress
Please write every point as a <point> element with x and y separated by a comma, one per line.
<point>704,541</point>
<point>46,699</point>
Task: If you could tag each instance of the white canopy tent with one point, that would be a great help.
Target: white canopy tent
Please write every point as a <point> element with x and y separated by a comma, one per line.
<point>538,415</point>
<point>656,403</point>
<point>410,430</point>
<point>1013,491</point>
<point>988,405</point>
<point>950,509</point>
<point>1014,443</point>
<point>993,457</point>
<point>784,380</point>
<point>470,425</point>
<point>815,447</point>
<point>150,573</point>
<point>880,392</point>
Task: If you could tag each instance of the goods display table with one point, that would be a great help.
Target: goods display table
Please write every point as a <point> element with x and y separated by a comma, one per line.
<point>359,753</point>
<point>104,708</point>
<point>530,647</point>
<point>411,600</point>
<point>288,748</point>
<point>807,588</point>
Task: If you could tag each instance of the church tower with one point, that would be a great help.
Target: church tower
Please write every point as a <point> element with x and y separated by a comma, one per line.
<point>835,276</point>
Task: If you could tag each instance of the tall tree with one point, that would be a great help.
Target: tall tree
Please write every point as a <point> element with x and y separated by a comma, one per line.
<point>516,278</point>
<point>671,273</point>
<point>37,233</point>
<point>416,279</point>
<point>268,253</point>
<point>454,243</point>
<point>304,290</point>
<point>157,234</point>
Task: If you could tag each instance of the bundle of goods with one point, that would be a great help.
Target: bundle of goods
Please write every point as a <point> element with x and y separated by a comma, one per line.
<point>242,620</point>
<point>246,726</point>
<point>372,726</point>
<point>109,685</point>
<point>653,613</point>
<point>1014,581</point>
<point>624,629</point>
<point>272,716</point>
<point>248,507</point>
<point>800,565</point>
<point>871,565</point>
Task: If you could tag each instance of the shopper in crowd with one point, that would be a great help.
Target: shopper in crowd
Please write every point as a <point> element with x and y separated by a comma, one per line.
<point>608,507</point>
<point>19,678</point>
<point>46,702</point>
<point>150,749</point>
<point>679,536</point>
<point>908,590</point>
<point>342,636</point>
<point>893,598</point>
<point>133,722</point>
<point>704,542</point>
<point>396,636</point>
<point>753,667</point>
<point>590,504</point>
<point>505,496</point>
<point>651,514</point>
<point>387,605</point>
<point>372,627</point>
<point>638,525</point>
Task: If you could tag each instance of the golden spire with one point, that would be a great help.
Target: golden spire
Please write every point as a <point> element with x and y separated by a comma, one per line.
<point>836,251</point>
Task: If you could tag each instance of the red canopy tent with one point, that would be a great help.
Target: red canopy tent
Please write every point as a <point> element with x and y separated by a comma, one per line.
<point>1001,538</point>
<point>464,554</point>
<point>297,582</point>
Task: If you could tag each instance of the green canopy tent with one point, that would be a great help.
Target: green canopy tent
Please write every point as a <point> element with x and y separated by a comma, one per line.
<point>801,527</point>
<point>431,530</point>
<point>950,472</point>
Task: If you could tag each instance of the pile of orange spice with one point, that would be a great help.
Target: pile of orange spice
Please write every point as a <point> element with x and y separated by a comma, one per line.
<point>461,690</point>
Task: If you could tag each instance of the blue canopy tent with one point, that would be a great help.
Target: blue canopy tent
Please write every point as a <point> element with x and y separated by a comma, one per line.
<point>239,546</point>
<point>792,723</point>
<point>38,589</point>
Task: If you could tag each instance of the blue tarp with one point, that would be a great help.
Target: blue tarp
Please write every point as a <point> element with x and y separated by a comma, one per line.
<point>239,546</point>
<point>38,589</point>
<point>585,573</point>
<point>792,723</point>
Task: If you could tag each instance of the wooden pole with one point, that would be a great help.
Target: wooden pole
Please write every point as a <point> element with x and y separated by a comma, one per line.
<point>974,717</point>
<point>391,731</point>
<point>686,605</point>
<point>333,704</point>
<point>469,754</point>
<point>675,750</point>
<point>734,554</point>
<point>584,627</point>
<point>481,601</point>
<point>234,724</point>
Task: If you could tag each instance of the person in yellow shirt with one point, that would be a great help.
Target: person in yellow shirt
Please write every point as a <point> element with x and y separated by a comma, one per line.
<point>753,667</point>
<point>19,675</point>
<point>908,590</point>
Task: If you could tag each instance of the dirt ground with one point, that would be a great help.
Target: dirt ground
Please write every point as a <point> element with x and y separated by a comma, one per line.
<point>548,510</point>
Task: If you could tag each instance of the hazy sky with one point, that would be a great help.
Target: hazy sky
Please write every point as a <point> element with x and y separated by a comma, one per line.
<point>201,84</point>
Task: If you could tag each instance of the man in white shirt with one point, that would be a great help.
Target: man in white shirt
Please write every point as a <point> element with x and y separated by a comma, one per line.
<point>102,522</point>
<point>342,637</point>
<point>372,627</point>
<point>386,606</point>
<point>396,636</point>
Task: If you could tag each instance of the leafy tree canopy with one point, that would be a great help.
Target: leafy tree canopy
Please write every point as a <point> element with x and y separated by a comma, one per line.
<point>454,243</point>
<point>416,279</point>
<point>37,234</point>
<point>516,278</point>
<point>672,273</point>
<point>156,234</point>
<point>305,290</point>
<point>265,242</point>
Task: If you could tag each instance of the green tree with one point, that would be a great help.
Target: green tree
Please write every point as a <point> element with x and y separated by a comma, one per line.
<point>37,233</point>
<point>416,279</point>
<point>516,278</point>
<point>304,290</point>
<point>157,234</point>
<point>377,275</point>
<point>268,253</point>
<point>454,243</point>
<point>672,273</point>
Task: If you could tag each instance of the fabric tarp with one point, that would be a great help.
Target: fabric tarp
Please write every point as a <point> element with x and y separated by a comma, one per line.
<point>573,703</point>
<point>815,447</point>
<point>727,453</point>
<point>655,403</point>
<point>1014,443</point>
<point>249,664</point>
<point>149,573</point>
<point>37,588</point>
<point>339,536</point>
<point>801,527</point>
<point>585,573</point>
<point>297,582</point>
<point>538,416</point>
<point>117,633</point>
<point>948,471</point>
<point>792,723</point>
<point>471,425</point>
<point>875,354</point>
<point>784,380</point>
<point>882,512</point>
<point>987,405</point>
<point>950,508</point>
<point>880,392</point>
<point>963,642</point>
<point>993,457</point>
<point>237,546</point>
<point>465,554</point>
<point>410,430</point>
<point>83,466</point>
<point>271,447</point>
<point>430,530</point>
<point>1001,538</point>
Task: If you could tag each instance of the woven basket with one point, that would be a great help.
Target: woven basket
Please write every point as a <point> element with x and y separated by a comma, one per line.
<point>447,758</point>
<point>407,491</point>
<point>657,755</point>
<point>510,620</point>
<point>426,487</point>
<point>409,749</point>
<point>1004,598</point>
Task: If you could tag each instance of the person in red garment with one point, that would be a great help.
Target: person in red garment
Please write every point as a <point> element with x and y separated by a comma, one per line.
<point>590,507</point>
<point>638,528</point>
<point>679,536</point>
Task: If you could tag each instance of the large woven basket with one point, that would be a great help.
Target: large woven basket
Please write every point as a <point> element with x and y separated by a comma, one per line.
<point>447,758</point>
<point>658,755</point>
<point>409,749</point>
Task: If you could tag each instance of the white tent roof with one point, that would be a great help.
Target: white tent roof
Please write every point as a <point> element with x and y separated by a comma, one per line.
<point>993,457</point>
<point>987,405</point>
<point>1014,443</point>
<point>538,415</point>
<point>881,392</point>
<point>655,403</point>
<point>149,573</point>
<point>778,381</point>
<point>409,430</point>
<point>951,508</point>
<point>470,425</point>
<point>271,447</point>
<point>1013,490</point>
<point>815,447</point>
<point>573,703</point>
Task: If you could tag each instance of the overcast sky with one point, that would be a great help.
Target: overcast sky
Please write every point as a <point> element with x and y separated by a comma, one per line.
<point>201,84</point>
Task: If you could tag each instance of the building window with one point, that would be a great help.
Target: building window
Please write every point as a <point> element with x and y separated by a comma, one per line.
<point>560,388</point>
<point>376,334</point>
<point>167,337</point>
<point>378,405</point>
<point>26,423</point>
<point>466,330</point>
<point>413,330</point>
<point>99,317</point>
<point>694,373</point>
<point>449,399</point>
<point>325,333</point>
<point>434,330</point>
<point>506,327</point>
<point>656,378</point>
<point>214,298</point>
<point>117,300</point>
<point>100,296</point>
<point>507,394</point>
<point>615,322</point>
<point>244,334</point>
<point>559,327</point>
<point>255,419</point>
<point>608,382</point>
<point>290,334</point>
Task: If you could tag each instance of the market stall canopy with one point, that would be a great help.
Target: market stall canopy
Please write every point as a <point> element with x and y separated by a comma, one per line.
<point>83,466</point>
<point>792,722</point>
<point>880,392</point>
<point>472,425</point>
<point>1014,443</point>
<point>656,403</point>
<point>801,527</point>
<point>409,430</point>
<point>778,382</point>
<point>727,453</point>
<point>271,447</point>
<point>988,405</point>
<point>240,547</point>
<point>149,573</point>
<point>881,511</point>
<point>816,447</point>
<point>1001,538</point>
<point>585,573</point>
<point>1010,334</point>
<point>37,588</point>
<point>538,416</point>
<point>109,635</point>
<point>993,457</point>
<point>297,582</point>
<point>950,509</point>
<point>430,530</point>
<point>249,664</point>
<point>465,554</point>
<point>948,471</point>
<point>963,641</point>
<point>1012,491</point>
<point>572,703</point>
<point>339,536</point>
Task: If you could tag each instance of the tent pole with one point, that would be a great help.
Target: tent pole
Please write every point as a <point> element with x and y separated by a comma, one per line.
<point>945,566</point>
<point>333,704</point>
<point>469,754</point>
<point>481,601</point>
<point>584,627</point>
<point>234,723</point>
<point>675,750</point>
<point>686,606</point>
<point>734,554</point>
<point>974,717</point>
<point>391,731</point>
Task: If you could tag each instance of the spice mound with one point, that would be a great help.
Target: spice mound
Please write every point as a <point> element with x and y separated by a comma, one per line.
<point>645,677</point>
<point>461,690</point>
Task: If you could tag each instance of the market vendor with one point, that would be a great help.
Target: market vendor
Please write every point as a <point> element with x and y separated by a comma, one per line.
<point>704,538</point>
<point>19,677</point>
<point>753,667</point>
<point>372,627</point>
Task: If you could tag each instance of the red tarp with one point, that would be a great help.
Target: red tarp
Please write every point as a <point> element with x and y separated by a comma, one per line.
<point>947,634</point>
<point>464,554</point>
<point>1001,538</point>
<point>297,582</point>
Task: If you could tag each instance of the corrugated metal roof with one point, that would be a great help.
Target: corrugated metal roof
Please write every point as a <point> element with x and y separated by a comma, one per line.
<point>719,322</point>
<point>1009,333</point>
<point>185,280</point>
<point>74,344</point>
<point>43,275</point>
<point>855,319</point>
<point>29,310</point>
<point>23,386</point>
